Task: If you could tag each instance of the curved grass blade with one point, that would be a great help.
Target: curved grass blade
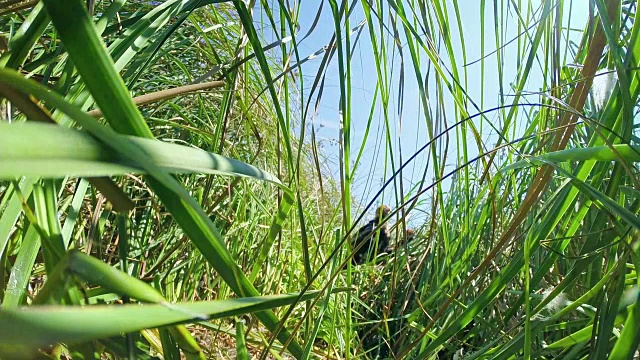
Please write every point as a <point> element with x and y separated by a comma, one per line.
<point>41,325</point>
<point>579,336</point>
<point>619,152</point>
<point>80,154</point>
<point>627,344</point>
<point>99,273</point>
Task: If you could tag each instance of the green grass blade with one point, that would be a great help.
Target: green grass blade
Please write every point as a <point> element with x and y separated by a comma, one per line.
<point>618,152</point>
<point>11,207</point>
<point>21,270</point>
<point>42,325</point>
<point>74,212</point>
<point>26,36</point>
<point>241,344</point>
<point>82,155</point>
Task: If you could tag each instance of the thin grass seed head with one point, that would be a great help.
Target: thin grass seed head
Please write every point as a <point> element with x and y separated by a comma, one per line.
<point>554,306</point>
<point>557,303</point>
<point>603,83</point>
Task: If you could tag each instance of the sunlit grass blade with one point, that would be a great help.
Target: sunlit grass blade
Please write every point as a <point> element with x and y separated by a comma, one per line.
<point>42,325</point>
<point>627,344</point>
<point>618,152</point>
<point>11,209</point>
<point>21,271</point>
<point>26,36</point>
<point>83,155</point>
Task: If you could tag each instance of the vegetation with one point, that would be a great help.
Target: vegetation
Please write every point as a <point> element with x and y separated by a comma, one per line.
<point>204,221</point>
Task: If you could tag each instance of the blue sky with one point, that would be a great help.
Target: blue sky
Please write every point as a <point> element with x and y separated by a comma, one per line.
<point>412,134</point>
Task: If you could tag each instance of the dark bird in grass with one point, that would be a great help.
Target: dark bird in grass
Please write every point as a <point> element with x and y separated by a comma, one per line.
<point>373,236</point>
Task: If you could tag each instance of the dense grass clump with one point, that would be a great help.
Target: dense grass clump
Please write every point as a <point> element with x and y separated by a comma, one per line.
<point>186,179</point>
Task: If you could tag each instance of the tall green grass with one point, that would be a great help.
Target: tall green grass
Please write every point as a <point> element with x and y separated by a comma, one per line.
<point>215,220</point>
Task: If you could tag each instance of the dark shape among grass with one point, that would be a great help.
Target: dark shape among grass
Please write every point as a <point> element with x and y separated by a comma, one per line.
<point>374,235</point>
